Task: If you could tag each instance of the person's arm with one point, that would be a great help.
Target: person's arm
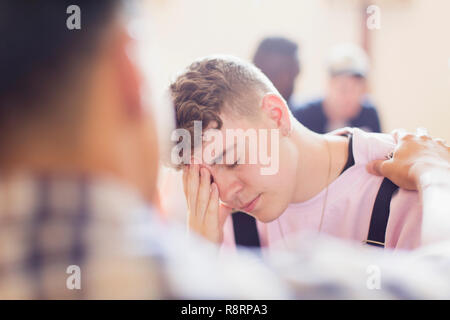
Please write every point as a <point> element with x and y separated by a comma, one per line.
<point>422,163</point>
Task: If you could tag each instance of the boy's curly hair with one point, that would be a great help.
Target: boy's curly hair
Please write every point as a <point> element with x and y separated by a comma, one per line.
<point>215,85</point>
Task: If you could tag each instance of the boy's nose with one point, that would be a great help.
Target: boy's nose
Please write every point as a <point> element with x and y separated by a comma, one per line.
<point>229,188</point>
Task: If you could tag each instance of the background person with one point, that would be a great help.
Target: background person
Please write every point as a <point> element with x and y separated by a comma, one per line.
<point>345,102</point>
<point>277,57</point>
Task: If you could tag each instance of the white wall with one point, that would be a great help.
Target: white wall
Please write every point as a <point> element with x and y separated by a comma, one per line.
<point>410,80</point>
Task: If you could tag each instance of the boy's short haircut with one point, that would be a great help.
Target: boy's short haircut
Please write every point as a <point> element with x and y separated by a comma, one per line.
<point>217,85</point>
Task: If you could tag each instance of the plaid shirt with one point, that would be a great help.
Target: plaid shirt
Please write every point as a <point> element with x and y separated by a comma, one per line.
<point>56,231</point>
<point>53,230</point>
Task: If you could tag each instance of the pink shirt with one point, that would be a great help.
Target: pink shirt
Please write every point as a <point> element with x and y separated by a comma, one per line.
<point>349,205</point>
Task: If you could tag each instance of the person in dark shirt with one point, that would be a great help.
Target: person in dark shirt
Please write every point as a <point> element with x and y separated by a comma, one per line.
<point>312,116</point>
<point>277,58</point>
<point>345,103</point>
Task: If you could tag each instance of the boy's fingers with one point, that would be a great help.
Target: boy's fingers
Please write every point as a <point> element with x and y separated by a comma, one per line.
<point>193,183</point>
<point>373,167</point>
<point>212,213</point>
<point>398,134</point>
<point>380,167</point>
<point>441,141</point>
<point>185,184</point>
<point>203,193</point>
<point>421,132</point>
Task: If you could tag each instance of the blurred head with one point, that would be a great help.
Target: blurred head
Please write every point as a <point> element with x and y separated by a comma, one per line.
<point>345,94</point>
<point>69,99</point>
<point>226,93</point>
<point>277,58</point>
<point>347,68</point>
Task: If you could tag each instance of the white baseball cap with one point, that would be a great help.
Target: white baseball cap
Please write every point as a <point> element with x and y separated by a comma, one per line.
<point>348,58</point>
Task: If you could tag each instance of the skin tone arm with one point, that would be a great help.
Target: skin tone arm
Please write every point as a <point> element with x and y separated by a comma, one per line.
<point>422,163</point>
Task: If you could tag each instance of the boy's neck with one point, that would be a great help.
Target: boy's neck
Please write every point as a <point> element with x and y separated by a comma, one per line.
<point>314,155</point>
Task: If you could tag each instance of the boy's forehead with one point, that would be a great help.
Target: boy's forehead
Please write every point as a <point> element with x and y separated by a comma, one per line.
<point>228,133</point>
<point>230,126</point>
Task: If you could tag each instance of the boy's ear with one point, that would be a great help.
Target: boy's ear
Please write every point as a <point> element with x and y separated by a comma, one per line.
<point>277,111</point>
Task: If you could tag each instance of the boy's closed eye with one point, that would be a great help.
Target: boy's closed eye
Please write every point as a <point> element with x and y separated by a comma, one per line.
<point>231,166</point>
<point>234,165</point>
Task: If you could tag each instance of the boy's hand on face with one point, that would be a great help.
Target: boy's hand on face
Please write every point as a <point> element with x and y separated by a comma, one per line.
<point>414,156</point>
<point>206,215</point>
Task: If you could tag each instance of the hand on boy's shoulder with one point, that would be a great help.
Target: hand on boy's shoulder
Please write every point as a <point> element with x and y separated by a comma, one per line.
<point>413,157</point>
<point>368,146</point>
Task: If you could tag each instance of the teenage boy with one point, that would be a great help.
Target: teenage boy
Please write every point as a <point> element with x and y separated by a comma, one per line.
<point>321,184</point>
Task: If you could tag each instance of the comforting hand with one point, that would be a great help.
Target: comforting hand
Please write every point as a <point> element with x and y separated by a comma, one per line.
<point>414,156</point>
<point>206,215</point>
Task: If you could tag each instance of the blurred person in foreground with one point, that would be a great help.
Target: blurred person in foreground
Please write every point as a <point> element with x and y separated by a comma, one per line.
<point>277,58</point>
<point>77,179</point>
<point>345,102</point>
<point>78,166</point>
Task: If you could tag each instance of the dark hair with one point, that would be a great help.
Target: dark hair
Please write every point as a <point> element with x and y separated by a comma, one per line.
<point>275,45</point>
<point>38,51</point>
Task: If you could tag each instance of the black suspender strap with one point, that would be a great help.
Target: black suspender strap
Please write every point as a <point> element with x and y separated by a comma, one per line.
<point>245,230</point>
<point>350,159</point>
<point>380,214</point>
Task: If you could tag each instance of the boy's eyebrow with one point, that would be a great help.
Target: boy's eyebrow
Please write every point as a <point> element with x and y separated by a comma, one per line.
<point>221,156</point>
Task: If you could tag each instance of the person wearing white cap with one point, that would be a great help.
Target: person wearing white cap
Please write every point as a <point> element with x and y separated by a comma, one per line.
<point>345,102</point>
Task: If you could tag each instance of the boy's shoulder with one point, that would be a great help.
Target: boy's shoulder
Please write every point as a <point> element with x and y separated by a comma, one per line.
<point>404,225</point>
<point>368,146</point>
